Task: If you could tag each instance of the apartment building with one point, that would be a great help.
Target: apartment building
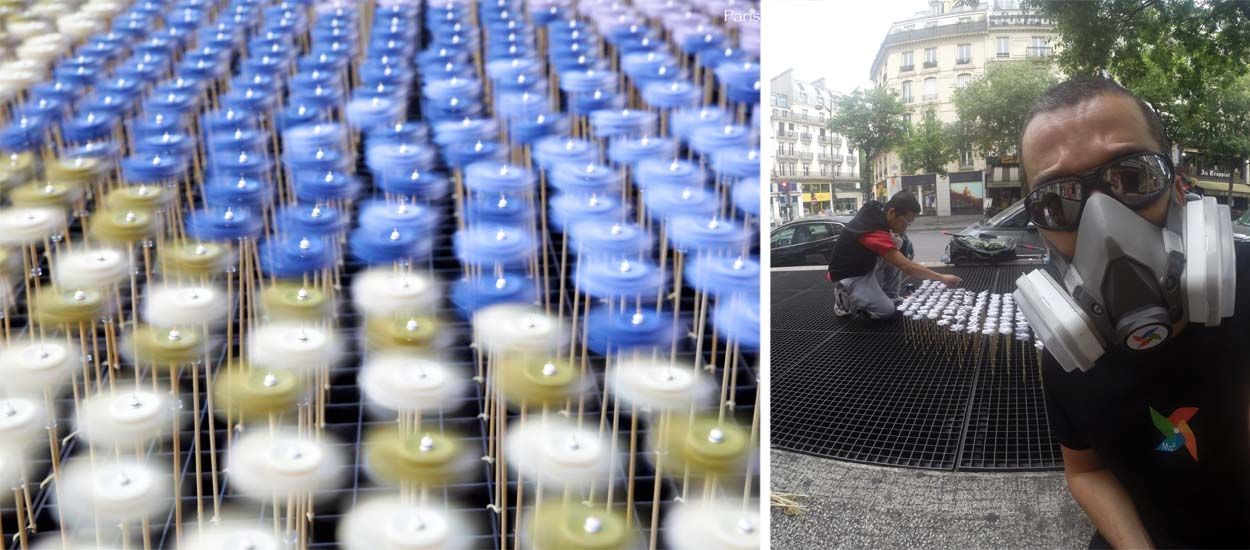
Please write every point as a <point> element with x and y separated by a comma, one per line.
<point>924,59</point>
<point>814,170</point>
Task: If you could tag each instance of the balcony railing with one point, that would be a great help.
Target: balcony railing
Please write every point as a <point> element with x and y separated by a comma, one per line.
<point>1003,55</point>
<point>1039,52</point>
<point>805,137</point>
<point>805,157</point>
<point>929,97</point>
<point>906,68</point>
<point>963,60</point>
<point>837,143</point>
<point>940,31</point>
<point>786,114</point>
<point>851,160</point>
<point>835,158</point>
<point>930,64</point>
<point>787,134</point>
<point>823,140</point>
<point>907,99</point>
<point>787,155</point>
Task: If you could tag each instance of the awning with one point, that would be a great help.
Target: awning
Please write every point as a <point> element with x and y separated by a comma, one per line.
<point>1002,176</point>
<point>1221,188</point>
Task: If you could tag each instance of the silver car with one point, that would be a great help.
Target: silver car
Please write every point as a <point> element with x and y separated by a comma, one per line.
<point>1011,225</point>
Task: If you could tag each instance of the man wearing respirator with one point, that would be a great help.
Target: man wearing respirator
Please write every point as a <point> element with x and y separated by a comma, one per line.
<point>1146,329</point>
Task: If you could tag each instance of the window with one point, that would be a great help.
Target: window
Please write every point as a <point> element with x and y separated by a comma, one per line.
<point>1039,47</point>
<point>802,97</point>
<point>783,237</point>
<point>907,118</point>
<point>806,169</point>
<point>930,57</point>
<point>963,80</point>
<point>965,158</point>
<point>963,54</point>
<point>820,231</point>
<point>850,151</point>
<point>1004,46</point>
<point>908,61</point>
<point>906,91</point>
<point>930,89</point>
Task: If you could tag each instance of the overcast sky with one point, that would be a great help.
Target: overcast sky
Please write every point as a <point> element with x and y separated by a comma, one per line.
<point>836,39</point>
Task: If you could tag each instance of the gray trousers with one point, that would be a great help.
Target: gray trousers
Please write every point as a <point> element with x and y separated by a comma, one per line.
<point>871,295</point>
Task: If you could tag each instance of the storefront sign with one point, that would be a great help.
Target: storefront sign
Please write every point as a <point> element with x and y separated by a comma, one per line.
<point>1213,173</point>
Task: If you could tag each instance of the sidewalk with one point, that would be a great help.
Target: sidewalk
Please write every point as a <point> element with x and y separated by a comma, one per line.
<point>868,507</point>
<point>945,223</point>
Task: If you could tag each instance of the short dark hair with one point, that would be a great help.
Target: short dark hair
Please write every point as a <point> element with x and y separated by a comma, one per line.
<point>903,203</point>
<point>1077,90</point>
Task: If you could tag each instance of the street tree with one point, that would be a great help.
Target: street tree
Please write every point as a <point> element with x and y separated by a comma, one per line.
<point>991,107</point>
<point>871,120</point>
<point>1186,58</point>
<point>928,147</point>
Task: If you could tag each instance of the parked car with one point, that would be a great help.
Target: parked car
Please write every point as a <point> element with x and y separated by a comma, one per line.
<point>1011,225</point>
<point>808,241</point>
<point>1241,225</point>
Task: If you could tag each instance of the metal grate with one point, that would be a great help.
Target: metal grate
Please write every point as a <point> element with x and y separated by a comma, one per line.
<point>857,390</point>
<point>868,398</point>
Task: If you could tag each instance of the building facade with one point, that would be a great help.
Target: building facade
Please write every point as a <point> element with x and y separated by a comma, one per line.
<point>814,171</point>
<point>925,59</point>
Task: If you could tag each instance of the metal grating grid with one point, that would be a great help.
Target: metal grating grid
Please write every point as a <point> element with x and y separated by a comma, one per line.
<point>1007,424</point>
<point>856,390</point>
<point>865,398</point>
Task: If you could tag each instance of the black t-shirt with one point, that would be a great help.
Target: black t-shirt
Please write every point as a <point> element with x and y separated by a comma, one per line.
<point>1172,424</point>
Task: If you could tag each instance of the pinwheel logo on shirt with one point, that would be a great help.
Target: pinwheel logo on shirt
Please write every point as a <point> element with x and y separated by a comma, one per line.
<point>1175,430</point>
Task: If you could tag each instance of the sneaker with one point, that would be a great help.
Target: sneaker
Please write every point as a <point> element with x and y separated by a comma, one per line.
<point>841,302</point>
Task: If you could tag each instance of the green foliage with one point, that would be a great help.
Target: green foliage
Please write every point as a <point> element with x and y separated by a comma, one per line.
<point>992,107</point>
<point>872,121</point>
<point>1187,58</point>
<point>928,146</point>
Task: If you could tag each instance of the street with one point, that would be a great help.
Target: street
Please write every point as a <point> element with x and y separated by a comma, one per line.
<point>926,234</point>
<point>930,243</point>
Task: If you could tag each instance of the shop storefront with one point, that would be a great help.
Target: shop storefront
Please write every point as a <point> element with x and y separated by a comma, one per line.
<point>967,192</point>
<point>1219,190</point>
<point>1003,183</point>
<point>924,187</point>
<point>1213,181</point>
<point>817,203</point>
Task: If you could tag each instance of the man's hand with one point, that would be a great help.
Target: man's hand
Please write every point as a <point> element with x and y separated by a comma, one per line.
<point>913,269</point>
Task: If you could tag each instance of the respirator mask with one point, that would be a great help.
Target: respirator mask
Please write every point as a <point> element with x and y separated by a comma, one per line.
<point>1129,280</point>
